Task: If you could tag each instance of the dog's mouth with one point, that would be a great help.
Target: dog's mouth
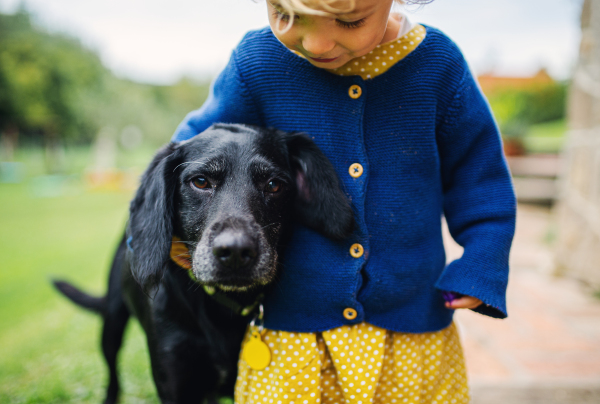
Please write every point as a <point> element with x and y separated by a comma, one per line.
<point>252,278</point>
<point>236,285</point>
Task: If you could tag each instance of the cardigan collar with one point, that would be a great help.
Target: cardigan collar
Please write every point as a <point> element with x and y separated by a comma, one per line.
<point>382,58</point>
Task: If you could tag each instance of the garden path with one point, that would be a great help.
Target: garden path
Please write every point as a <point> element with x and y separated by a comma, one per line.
<point>548,350</point>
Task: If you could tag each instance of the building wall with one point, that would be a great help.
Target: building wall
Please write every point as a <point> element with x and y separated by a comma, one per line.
<point>578,237</point>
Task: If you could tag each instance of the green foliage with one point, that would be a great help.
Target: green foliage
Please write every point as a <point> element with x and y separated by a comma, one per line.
<point>517,110</point>
<point>42,78</point>
<point>547,137</point>
<point>52,87</point>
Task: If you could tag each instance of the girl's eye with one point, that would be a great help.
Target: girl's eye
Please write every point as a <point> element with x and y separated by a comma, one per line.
<point>201,183</point>
<point>273,186</point>
<point>283,16</point>
<point>351,24</point>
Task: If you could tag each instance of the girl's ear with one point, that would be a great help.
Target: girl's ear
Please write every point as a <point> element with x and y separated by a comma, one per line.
<point>151,214</point>
<point>320,203</point>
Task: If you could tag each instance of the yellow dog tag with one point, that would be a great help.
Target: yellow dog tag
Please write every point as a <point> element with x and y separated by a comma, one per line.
<point>256,353</point>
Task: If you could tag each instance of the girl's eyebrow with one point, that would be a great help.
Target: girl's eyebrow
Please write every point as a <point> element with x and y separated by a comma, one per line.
<point>359,10</point>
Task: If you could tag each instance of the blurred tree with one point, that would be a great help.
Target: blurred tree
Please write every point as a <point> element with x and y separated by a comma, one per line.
<point>55,91</point>
<point>517,109</point>
<point>42,77</point>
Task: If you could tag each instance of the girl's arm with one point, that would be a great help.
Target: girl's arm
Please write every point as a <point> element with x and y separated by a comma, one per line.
<point>479,202</point>
<point>228,102</point>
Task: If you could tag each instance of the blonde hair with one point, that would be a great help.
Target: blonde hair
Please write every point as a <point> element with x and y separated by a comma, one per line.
<point>293,7</point>
<point>308,6</point>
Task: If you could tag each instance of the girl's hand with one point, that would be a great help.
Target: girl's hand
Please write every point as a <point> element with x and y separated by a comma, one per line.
<point>464,302</point>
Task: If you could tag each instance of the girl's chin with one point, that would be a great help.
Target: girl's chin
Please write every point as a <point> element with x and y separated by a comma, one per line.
<point>339,62</point>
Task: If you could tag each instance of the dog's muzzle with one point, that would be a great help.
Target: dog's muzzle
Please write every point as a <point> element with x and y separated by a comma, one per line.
<point>234,254</point>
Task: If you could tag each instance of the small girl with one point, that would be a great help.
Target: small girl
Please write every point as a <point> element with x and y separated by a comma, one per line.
<point>395,108</point>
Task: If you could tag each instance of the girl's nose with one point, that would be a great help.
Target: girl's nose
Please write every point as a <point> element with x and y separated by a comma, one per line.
<point>317,43</point>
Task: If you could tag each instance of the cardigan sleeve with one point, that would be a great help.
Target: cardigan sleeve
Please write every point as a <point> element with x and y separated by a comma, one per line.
<point>479,201</point>
<point>229,101</point>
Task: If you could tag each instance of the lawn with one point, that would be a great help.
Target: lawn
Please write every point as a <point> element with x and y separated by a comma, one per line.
<point>50,348</point>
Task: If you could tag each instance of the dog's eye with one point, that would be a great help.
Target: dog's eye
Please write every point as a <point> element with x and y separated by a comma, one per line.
<point>201,183</point>
<point>273,186</point>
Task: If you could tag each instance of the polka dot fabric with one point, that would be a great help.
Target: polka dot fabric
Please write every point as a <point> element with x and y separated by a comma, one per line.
<point>357,364</point>
<point>384,56</point>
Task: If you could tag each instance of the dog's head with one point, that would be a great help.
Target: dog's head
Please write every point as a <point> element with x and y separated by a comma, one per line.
<point>230,193</point>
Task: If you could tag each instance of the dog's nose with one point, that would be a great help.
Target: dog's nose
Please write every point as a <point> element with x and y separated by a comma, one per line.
<point>234,249</point>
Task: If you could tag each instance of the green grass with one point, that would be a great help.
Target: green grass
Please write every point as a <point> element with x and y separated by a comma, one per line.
<point>49,348</point>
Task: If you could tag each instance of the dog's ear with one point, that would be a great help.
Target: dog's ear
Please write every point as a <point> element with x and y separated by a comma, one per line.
<point>320,203</point>
<point>151,215</point>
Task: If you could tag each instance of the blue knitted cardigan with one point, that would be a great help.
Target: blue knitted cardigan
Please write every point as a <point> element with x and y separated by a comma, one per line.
<point>429,147</point>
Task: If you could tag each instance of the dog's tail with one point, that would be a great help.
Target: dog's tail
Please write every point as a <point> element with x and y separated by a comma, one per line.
<point>88,302</point>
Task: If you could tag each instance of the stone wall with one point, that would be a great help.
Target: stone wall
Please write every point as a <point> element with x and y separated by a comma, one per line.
<point>578,237</point>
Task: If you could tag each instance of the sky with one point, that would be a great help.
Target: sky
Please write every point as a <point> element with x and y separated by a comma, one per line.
<point>159,41</point>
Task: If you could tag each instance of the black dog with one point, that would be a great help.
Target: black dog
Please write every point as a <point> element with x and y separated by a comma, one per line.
<point>229,193</point>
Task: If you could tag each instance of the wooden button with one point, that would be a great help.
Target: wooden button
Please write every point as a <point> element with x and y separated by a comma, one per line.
<point>350,314</point>
<point>355,170</point>
<point>355,91</point>
<point>357,250</point>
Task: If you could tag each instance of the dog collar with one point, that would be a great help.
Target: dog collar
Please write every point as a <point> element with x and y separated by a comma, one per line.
<point>181,256</point>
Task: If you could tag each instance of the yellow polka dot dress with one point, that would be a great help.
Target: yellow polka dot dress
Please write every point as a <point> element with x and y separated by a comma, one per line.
<point>359,364</point>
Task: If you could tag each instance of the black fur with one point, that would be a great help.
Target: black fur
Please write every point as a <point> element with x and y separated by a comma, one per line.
<point>151,218</point>
<point>234,230</point>
<point>321,204</point>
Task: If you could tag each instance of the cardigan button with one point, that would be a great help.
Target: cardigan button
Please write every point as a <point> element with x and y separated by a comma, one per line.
<point>350,313</point>
<point>357,250</point>
<point>355,170</point>
<point>355,91</point>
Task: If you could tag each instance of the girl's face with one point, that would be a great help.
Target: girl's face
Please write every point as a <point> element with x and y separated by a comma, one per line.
<point>331,41</point>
